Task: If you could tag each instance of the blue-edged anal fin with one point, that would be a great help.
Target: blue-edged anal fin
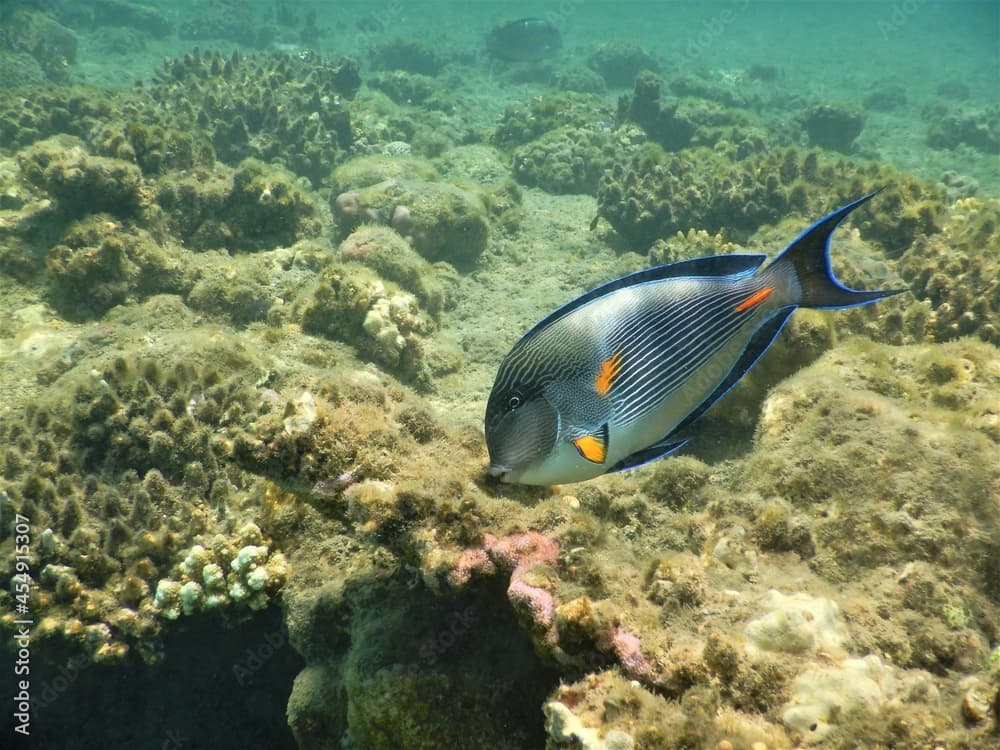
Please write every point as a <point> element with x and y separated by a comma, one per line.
<point>670,443</point>
<point>657,450</point>
<point>759,343</point>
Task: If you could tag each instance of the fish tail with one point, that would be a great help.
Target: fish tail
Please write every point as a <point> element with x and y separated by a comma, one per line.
<point>808,258</point>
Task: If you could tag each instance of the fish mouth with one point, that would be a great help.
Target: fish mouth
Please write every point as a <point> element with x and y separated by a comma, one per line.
<point>499,471</point>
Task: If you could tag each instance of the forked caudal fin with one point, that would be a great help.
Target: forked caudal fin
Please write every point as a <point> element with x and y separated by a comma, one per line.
<point>809,258</point>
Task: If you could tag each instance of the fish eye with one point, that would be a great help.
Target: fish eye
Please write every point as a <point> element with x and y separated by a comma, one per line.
<point>513,402</point>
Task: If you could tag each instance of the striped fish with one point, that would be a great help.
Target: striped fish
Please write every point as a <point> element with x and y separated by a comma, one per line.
<point>612,379</point>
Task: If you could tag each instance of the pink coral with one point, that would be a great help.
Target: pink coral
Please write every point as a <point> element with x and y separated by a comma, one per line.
<point>471,561</point>
<point>518,554</point>
<point>536,603</point>
<point>628,651</point>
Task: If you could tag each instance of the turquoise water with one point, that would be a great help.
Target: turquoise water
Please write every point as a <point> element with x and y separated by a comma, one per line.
<point>260,262</point>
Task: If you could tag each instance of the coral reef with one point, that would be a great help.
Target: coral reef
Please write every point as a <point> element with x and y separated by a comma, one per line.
<point>525,121</point>
<point>234,572</point>
<point>958,272</point>
<point>655,195</point>
<point>252,310</point>
<point>131,15</point>
<point>979,130</point>
<point>682,123</point>
<point>234,102</point>
<point>119,476</point>
<point>416,54</point>
<point>49,43</point>
<point>566,160</point>
<point>69,111</point>
<point>21,71</point>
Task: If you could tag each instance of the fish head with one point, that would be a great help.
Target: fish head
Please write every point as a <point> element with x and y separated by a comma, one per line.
<point>522,427</point>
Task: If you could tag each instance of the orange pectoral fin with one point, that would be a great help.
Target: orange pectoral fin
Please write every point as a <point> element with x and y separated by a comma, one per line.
<point>754,299</point>
<point>593,447</point>
<point>610,368</point>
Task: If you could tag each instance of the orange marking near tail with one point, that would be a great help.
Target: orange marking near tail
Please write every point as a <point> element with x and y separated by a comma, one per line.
<point>755,299</point>
<point>609,371</point>
<point>591,448</point>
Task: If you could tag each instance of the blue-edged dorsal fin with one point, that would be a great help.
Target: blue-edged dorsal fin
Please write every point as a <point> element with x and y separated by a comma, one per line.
<point>657,450</point>
<point>759,343</point>
<point>715,266</point>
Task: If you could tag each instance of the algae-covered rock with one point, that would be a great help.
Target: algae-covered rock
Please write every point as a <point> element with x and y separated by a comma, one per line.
<point>619,62</point>
<point>99,263</point>
<point>441,220</point>
<point>363,171</point>
<point>833,125</point>
<point>797,623</point>
<point>386,252</point>
<point>80,182</point>
<point>351,303</point>
<point>916,424</point>
<point>823,697</point>
<point>392,667</point>
<point>977,129</point>
<point>256,206</point>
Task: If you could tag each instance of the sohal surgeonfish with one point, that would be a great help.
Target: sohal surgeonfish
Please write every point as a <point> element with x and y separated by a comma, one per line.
<point>523,40</point>
<point>614,378</point>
